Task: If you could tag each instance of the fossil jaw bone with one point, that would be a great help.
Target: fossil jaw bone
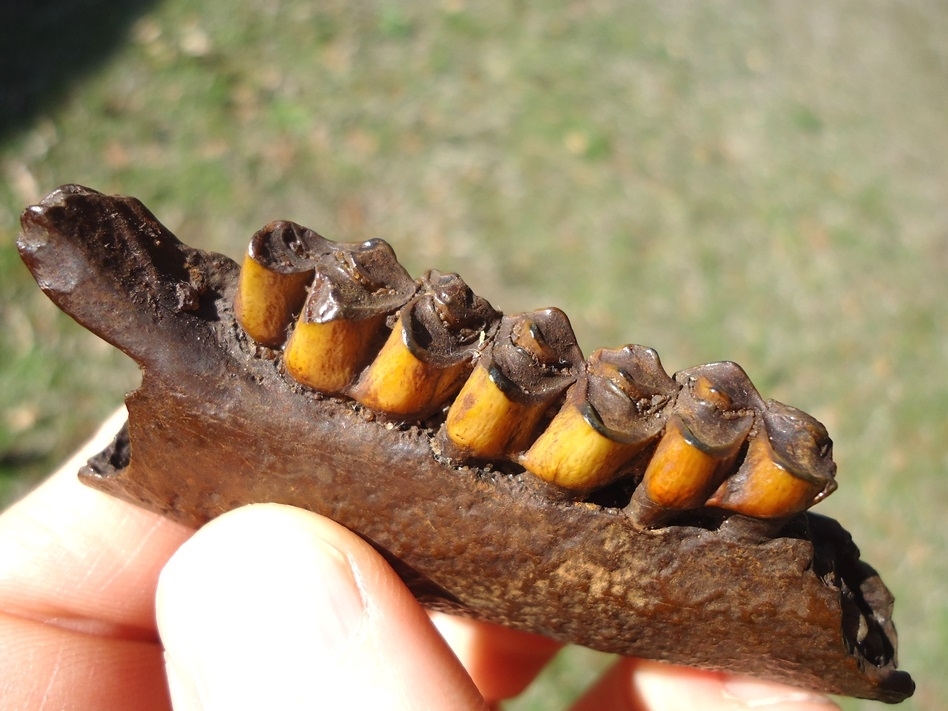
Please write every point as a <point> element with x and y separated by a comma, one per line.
<point>214,426</point>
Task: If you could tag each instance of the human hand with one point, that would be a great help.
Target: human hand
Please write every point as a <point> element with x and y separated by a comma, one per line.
<point>266,607</point>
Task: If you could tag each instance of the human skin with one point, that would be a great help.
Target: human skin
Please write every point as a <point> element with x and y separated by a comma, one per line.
<point>106,606</point>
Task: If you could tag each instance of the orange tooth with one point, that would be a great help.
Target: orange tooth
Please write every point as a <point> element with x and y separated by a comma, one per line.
<point>714,413</point>
<point>611,414</point>
<point>355,289</point>
<point>266,301</point>
<point>484,421</point>
<point>278,265</point>
<point>530,363</point>
<point>430,349</point>
<point>787,469</point>
<point>327,356</point>
<point>681,473</point>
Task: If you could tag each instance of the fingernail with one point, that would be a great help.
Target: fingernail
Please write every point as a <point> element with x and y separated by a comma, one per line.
<point>753,694</point>
<point>344,591</point>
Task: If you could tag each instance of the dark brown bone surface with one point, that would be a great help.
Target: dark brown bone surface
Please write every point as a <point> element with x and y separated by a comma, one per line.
<point>214,426</point>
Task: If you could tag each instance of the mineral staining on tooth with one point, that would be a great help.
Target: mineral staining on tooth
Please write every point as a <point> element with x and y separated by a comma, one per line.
<point>788,467</point>
<point>712,416</point>
<point>532,360</point>
<point>354,289</point>
<point>364,329</point>
<point>430,350</point>
<point>277,268</point>
<point>612,413</point>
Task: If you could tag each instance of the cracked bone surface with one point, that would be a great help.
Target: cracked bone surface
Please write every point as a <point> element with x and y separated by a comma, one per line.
<point>641,566</point>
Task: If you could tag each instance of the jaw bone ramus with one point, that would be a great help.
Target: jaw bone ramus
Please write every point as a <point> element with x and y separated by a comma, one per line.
<point>502,475</point>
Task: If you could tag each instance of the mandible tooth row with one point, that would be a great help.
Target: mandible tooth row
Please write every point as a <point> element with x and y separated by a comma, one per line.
<point>365,329</point>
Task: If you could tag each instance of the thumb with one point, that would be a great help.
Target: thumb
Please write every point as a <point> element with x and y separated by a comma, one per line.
<point>271,606</point>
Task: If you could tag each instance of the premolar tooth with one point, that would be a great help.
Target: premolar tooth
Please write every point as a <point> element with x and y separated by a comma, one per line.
<point>713,415</point>
<point>533,359</point>
<point>613,412</point>
<point>278,265</point>
<point>356,287</point>
<point>430,349</point>
<point>788,467</point>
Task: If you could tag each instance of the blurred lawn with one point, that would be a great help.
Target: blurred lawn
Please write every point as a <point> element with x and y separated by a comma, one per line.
<point>759,182</point>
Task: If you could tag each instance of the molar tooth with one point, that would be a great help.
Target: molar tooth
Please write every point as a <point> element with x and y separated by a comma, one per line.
<point>713,415</point>
<point>788,467</point>
<point>611,414</point>
<point>278,265</point>
<point>430,349</point>
<point>533,359</point>
<point>356,287</point>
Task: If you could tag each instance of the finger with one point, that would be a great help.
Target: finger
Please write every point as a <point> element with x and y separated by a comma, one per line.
<point>77,558</point>
<point>47,667</point>
<point>502,662</point>
<point>274,607</point>
<point>641,685</point>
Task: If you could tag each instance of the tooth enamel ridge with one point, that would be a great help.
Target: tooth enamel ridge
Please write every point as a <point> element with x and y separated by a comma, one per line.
<point>516,389</point>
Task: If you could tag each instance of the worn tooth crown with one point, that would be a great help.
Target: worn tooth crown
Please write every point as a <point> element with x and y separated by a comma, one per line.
<point>531,361</point>
<point>355,288</point>
<point>712,416</point>
<point>702,440</point>
<point>788,467</point>
<point>612,413</point>
<point>277,268</point>
<point>447,323</point>
<point>430,349</point>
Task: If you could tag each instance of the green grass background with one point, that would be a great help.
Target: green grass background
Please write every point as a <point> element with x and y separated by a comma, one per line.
<point>759,182</point>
